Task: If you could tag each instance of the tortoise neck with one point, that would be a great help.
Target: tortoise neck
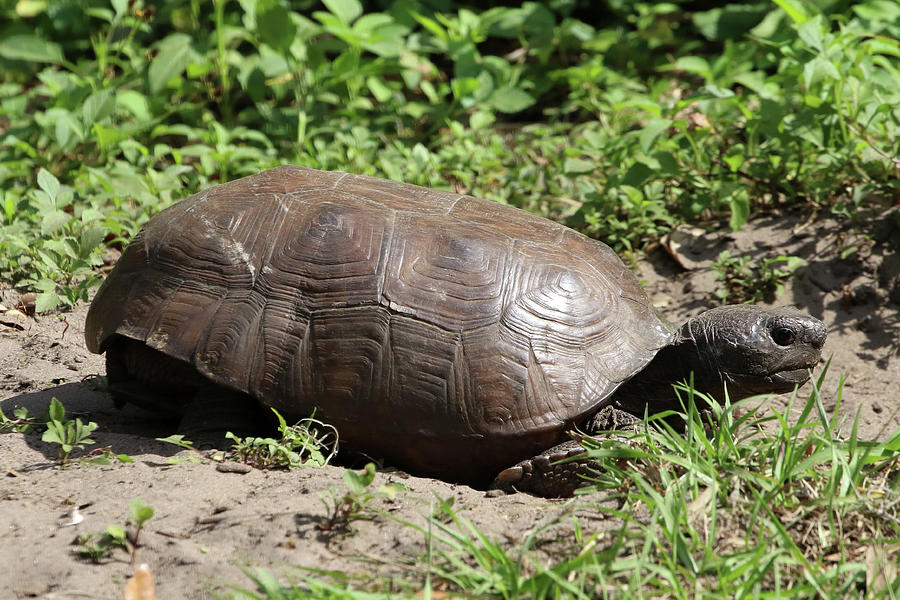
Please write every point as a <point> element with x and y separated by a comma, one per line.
<point>652,387</point>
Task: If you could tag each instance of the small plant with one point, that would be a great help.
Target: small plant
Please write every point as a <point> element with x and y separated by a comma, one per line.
<point>177,440</point>
<point>140,514</point>
<point>302,444</point>
<point>745,283</point>
<point>96,547</point>
<point>23,421</point>
<point>356,503</point>
<point>105,456</point>
<point>68,434</point>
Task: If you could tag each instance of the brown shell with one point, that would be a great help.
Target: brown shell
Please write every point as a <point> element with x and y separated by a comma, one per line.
<point>450,334</point>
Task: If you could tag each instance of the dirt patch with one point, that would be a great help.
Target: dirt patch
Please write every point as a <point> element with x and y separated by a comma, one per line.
<point>209,524</point>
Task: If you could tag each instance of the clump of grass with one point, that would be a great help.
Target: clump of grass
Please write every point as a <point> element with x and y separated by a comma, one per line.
<point>356,503</point>
<point>738,504</point>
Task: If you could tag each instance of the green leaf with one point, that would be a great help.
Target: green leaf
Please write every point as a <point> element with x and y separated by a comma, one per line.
<point>55,433</point>
<point>54,221</point>
<point>97,107</point>
<point>345,10</point>
<point>812,32</point>
<point>174,54</point>
<point>91,238</point>
<point>818,69</point>
<point>481,119</point>
<point>378,88</point>
<point>879,11</point>
<point>116,532</point>
<point>511,100</point>
<point>177,440</point>
<point>651,131</point>
<point>464,86</point>
<point>694,64</point>
<point>136,103</point>
<point>140,512</point>
<point>358,482</point>
<point>574,165</point>
<point>31,48</point>
<point>274,25</point>
<point>46,301</point>
<point>729,22</point>
<point>56,410</point>
<point>282,424</point>
<point>794,10</point>
<point>740,210</point>
<point>30,8</point>
<point>734,158</point>
<point>49,183</point>
<point>637,174</point>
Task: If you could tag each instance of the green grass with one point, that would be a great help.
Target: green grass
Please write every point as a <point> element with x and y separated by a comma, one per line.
<point>758,506</point>
<point>623,122</point>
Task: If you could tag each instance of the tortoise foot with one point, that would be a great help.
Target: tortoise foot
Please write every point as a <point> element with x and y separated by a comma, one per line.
<point>544,474</point>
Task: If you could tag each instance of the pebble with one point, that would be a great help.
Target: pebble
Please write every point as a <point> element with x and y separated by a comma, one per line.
<point>233,467</point>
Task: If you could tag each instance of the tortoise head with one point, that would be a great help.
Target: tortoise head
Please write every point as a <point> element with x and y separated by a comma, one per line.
<point>755,350</point>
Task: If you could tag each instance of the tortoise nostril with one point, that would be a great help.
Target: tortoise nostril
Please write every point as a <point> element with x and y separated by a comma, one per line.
<point>783,336</point>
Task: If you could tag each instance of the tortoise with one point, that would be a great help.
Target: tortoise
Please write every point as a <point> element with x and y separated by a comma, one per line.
<point>452,336</point>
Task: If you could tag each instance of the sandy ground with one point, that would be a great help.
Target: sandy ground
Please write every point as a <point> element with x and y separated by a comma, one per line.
<point>208,524</point>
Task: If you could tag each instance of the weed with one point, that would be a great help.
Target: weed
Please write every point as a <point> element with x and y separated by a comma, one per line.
<point>140,514</point>
<point>66,433</point>
<point>96,547</point>
<point>307,443</point>
<point>744,282</point>
<point>356,503</point>
<point>105,456</point>
<point>177,440</point>
<point>23,421</point>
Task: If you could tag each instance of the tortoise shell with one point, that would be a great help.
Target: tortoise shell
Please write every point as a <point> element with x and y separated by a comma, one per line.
<point>450,334</point>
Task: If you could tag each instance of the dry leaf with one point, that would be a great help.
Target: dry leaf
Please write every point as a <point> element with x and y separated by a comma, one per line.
<point>141,586</point>
<point>880,569</point>
<point>14,318</point>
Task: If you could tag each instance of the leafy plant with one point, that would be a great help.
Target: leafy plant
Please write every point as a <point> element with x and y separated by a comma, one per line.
<point>96,547</point>
<point>140,514</point>
<point>23,422</point>
<point>356,503</point>
<point>307,443</point>
<point>105,456</point>
<point>177,440</point>
<point>745,282</point>
<point>647,117</point>
<point>66,433</point>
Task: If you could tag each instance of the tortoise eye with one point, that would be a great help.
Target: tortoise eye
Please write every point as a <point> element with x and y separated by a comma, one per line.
<point>783,336</point>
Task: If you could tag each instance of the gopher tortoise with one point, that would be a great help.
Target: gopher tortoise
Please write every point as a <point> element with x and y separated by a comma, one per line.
<point>452,336</point>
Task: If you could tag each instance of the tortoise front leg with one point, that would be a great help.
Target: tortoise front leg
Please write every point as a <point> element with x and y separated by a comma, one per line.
<point>544,474</point>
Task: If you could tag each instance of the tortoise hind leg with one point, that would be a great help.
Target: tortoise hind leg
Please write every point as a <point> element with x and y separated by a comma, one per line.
<point>172,388</point>
<point>214,411</point>
<point>149,379</point>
